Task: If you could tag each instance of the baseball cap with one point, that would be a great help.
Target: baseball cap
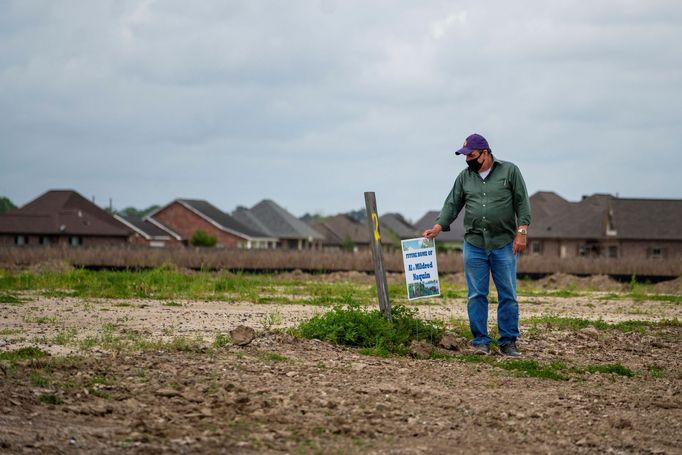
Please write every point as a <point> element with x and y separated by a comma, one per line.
<point>471,143</point>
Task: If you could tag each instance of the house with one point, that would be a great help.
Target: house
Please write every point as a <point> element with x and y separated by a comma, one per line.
<point>144,232</point>
<point>452,240</point>
<point>290,232</point>
<point>394,228</point>
<point>342,232</point>
<point>602,225</point>
<point>185,217</point>
<point>61,217</point>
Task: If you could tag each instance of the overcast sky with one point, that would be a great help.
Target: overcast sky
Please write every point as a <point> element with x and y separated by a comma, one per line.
<point>311,103</point>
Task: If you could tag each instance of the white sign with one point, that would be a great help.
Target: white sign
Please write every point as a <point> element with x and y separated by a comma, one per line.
<point>421,270</point>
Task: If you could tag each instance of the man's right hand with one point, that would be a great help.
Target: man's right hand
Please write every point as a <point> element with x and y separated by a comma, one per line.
<point>434,231</point>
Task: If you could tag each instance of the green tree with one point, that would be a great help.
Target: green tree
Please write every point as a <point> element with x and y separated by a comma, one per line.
<point>200,238</point>
<point>348,244</point>
<point>6,205</point>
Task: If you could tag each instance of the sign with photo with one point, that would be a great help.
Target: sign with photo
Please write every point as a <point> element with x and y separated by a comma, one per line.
<point>421,270</point>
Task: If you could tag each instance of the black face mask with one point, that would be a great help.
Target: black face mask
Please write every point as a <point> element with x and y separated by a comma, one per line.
<point>474,165</point>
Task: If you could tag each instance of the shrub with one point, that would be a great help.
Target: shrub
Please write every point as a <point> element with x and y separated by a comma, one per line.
<point>200,238</point>
<point>352,326</point>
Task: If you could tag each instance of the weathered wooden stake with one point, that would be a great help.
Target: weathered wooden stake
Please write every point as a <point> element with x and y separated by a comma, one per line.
<point>377,255</point>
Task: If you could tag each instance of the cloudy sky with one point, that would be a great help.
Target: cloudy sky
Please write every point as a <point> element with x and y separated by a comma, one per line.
<point>311,103</point>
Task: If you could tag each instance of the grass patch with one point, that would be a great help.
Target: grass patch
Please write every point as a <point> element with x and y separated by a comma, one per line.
<point>50,398</point>
<point>578,323</point>
<point>30,353</point>
<point>10,331</point>
<point>534,369</point>
<point>272,357</point>
<point>351,325</point>
<point>611,369</point>
<point>38,379</point>
<point>10,299</point>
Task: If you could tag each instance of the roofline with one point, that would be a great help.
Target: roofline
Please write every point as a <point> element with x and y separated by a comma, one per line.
<point>160,225</point>
<point>139,231</point>
<point>220,226</point>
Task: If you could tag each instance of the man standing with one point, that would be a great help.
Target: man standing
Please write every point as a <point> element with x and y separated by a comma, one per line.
<point>496,218</point>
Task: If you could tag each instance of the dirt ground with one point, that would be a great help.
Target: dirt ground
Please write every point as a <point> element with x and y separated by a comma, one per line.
<point>280,394</point>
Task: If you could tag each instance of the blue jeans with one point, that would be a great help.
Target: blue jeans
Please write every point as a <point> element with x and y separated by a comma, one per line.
<point>478,264</point>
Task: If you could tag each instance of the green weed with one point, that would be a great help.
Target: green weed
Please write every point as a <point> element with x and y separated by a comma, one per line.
<point>657,372</point>
<point>352,326</point>
<point>221,340</point>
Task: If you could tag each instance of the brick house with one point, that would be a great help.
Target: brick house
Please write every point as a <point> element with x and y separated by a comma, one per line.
<point>184,217</point>
<point>602,225</point>
<point>343,232</point>
<point>290,232</point>
<point>145,232</point>
<point>61,217</point>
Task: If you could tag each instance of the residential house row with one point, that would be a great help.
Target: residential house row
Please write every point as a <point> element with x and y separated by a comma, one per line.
<point>600,225</point>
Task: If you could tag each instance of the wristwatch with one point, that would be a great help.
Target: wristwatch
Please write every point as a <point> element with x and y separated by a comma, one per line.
<point>522,231</point>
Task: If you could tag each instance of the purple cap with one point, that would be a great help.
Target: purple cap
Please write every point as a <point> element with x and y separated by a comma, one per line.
<point>471,143</point>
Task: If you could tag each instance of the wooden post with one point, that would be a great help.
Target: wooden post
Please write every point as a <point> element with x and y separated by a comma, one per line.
<point>377,255</point>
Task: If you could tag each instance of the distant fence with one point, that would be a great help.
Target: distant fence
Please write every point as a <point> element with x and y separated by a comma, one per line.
<point>310,260</point>
<point>314,261</point>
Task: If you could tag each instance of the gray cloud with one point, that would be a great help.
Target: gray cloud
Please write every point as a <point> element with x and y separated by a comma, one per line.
<point>312,103</point>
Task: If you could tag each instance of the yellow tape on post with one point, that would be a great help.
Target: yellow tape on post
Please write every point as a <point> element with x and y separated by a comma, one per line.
<point>375,220</point>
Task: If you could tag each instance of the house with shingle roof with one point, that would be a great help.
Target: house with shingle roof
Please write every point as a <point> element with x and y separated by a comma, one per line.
<point>342,232</point>
<point>602,225</point>
<point>185,217</point>
<point>145,232</point>
<point>394,228</point>
<point>61,217</point>
<point>448,240</point>
<point>276,222</point>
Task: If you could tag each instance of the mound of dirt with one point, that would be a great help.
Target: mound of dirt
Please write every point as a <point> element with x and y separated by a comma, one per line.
<point>669,287</point>
<point>566,281</point>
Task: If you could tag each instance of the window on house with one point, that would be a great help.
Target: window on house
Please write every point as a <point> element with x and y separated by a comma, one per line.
<point>44,240</point>
<point>21,240</point>
<point>536,247</point>
<point>613,251</point>
<point>75,240</point>
<point>656,253</point>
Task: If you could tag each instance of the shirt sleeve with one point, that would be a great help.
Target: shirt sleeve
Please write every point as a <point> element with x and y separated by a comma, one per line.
<point>521,201</point>
<point>452,206</point>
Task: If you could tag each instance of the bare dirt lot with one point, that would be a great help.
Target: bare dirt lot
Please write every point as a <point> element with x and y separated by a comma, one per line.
<point>618,390</point>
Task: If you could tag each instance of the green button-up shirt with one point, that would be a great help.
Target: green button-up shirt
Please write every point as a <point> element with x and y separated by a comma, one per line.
<point>493,208</point>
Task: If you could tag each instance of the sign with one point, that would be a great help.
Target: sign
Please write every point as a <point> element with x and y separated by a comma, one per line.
<point>421,270</point>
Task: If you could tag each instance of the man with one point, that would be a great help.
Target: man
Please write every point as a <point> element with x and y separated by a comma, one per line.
<point>496,218</point>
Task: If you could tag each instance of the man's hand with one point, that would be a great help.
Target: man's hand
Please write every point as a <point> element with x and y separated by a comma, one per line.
<point>520,241</point>
<point>434,231</point>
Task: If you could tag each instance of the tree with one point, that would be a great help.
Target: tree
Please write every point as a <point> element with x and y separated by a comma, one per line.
<point>348,244</point>
<point>6,205</point>
<point>132,211</point>
<point>200,238</point>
